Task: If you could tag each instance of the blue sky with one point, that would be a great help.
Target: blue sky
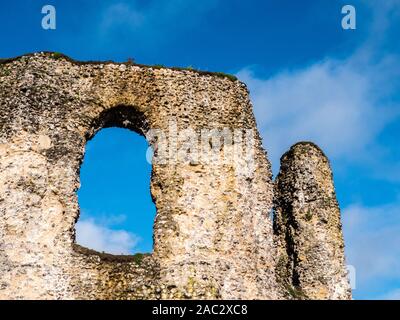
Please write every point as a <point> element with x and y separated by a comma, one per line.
<point>309,80</point>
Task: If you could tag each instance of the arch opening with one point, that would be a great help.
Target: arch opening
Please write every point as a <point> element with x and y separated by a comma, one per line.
<point>116,208</point>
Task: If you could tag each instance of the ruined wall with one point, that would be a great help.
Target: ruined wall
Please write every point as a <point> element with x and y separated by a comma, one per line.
<point>213,236</point>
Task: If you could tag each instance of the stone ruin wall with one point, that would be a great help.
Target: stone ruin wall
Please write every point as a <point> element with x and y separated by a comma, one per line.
<point>213,235</point>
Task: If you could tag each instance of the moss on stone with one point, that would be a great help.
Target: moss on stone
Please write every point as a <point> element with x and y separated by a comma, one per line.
<point>308,216</point>
<point>106,257</point>
<point>226,75</point>
<point>296,293</point>
<point>130,62</point>
<point>57,55</point>
<point>5,72</point>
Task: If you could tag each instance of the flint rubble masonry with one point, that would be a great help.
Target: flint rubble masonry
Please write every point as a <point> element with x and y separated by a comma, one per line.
<point>213,237</point>
<point>307,227</point>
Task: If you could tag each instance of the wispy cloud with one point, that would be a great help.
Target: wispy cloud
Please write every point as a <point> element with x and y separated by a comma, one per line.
<point>99,236</point>
<point>330,102</point>
<point>157,21</point>
<point>341,104</point>
<point>372,235</point>
<point>122,15</point>
<point>392,295</point>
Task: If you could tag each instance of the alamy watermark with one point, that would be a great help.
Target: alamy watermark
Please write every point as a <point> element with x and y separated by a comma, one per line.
<point>49,19</point>
<point>205,146</point>
<point>349,20</point>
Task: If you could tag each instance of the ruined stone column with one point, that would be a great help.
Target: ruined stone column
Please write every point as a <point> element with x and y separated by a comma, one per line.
<point>307,227</point>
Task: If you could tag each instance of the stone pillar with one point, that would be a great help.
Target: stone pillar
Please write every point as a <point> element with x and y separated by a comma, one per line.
<point>307,227</point>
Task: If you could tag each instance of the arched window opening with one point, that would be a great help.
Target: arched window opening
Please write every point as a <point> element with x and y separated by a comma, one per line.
<point>116,209</point>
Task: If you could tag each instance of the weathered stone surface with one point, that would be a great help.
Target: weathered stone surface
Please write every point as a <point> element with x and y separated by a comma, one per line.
<point>307,227</point>
<point>213,237</point>
<point>212,234</point>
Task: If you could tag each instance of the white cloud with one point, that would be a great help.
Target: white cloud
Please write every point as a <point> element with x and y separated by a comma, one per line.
<point>122,14</point>
<point>336,104</point>
<point>154,20</point>
<point>100,237</point>
<point>340,104</point>
<point>372,237</point>
<point>392,295</point>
